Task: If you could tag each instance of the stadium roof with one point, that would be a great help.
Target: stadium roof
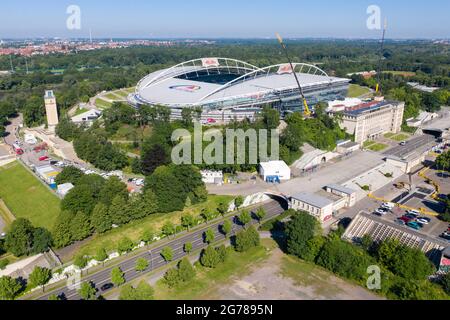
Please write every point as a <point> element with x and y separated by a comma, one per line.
<point>178,85</point>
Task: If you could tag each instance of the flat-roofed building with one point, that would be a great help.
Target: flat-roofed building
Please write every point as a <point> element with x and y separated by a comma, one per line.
<point>347,194</point>
<point>371,120</point>
<point>277,170</point>
<point>316,205</point>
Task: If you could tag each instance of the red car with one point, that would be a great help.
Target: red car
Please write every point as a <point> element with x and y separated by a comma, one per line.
<point>405,219</point>
<point>43,158</point>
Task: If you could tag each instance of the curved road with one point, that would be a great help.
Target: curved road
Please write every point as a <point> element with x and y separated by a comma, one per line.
<point>273,208</point>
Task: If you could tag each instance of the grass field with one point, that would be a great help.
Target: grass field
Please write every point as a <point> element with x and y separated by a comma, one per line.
<point>377,147</point>
<point>130,133</point>
<point>389,135</point>
<point>400,137</point>
<point>102,104</point>
<point>122,93</point>
<point>112,96</point>
<point>80,111</point>
<point>207,280</point>
<point>27,197</point>
<point>135,229</point>
<point>355,91</point>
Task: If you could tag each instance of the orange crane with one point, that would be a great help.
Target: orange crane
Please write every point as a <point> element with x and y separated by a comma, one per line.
<point>306,110</point>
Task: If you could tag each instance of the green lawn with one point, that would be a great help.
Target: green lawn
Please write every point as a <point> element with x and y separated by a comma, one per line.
<point>135,229</point>
<point>112,96</point>
<point>27,197</point>
<point>368,143</point>
<point>377,147</point>
<point>80,111</point>
<point>400,137</point>
<point>355,91</point>
<point>207,281</point>
<point>121,93</point>
<point>102,104</point>
<point>389,135</point>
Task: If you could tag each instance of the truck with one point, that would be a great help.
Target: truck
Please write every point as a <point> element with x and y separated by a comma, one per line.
<point>17,149</point>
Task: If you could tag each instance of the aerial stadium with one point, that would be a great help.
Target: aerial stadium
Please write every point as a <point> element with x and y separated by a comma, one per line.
<point>228,89</point>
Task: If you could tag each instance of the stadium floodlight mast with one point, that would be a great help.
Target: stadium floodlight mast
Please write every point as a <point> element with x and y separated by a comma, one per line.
<point>378,87</point>
<point>306,111</point>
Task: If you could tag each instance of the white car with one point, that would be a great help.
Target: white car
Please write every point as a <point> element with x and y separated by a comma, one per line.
<point>423,221</point>
<point>388,205</point>
<point>381,211</point>
<point>413,212</point>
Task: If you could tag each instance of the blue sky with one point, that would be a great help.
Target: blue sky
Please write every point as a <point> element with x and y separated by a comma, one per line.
<point>226,18</point>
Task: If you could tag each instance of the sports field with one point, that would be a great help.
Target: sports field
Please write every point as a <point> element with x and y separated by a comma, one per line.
<point>27,197</point>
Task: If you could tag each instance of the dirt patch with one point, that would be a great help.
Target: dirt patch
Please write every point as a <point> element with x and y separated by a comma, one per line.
<point>287,278</point>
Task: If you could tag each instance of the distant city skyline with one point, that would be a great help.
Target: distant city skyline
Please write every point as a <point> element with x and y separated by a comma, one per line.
<point>345,19</point>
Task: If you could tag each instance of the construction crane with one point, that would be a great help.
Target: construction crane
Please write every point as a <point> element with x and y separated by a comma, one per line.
<point>378,87</point>
<point>306,110</point>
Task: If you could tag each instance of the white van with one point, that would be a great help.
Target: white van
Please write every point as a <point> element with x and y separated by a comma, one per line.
<point>388,205</point>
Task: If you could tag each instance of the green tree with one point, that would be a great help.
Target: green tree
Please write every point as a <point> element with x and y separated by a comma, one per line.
<point>188,247</point>
<point>141,264</point>
<point>222,208</point>
<point>207,215</point>
<point>168,229</point>
<point>117,276</point>
<point>209,257</point>
<point>100,219</point>
<point>245,218</point>
<point>260,214</point>
<point>125,245</point>
<point>227,227</point>
<point>247,239</point>
<point>167,254</point>
<point>185,270</point>
<point>80,227</point>
<point>119,211</point>
<point>87,291</point>
<point>101,255</point>
<point>143,291</point>
<point>147,236</point>
<point>302,228</point>
<point>9,288</point>
<point>172,277</point>
<point>169,191</point>
<point>42,240</point>
<point>209,236</point>
<point>239,201</point>
<point>53,297</point>
<point>80,261</point>
<point>69,174</point>
<point>19,239</point>
<point>112,188</point>
<point>39,277</point>
<point>187,221</point>
<point>62,230</point>
<point>443,161</point>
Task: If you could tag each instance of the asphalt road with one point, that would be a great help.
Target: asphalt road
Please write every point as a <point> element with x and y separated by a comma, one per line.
<point>273,208</point>
<point>416,144</point>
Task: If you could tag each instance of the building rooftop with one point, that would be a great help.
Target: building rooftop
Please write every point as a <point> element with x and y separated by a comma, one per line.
<point>367,107</point>
<point>313,199</point>
<point>274,164</point>
<point>49,94</point>
<point>340,188</point>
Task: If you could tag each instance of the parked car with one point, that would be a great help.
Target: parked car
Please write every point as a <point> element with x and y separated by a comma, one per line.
<point>401,222</point>
<point>414,225</point>
<point>381,211</point>
<point>445,236</point>
<point>388,205</point>
<point>403,143</point>
<point>43,158</point>
<point>423,220</point>
<point>405,219</point>
<point>410,216</point>
<point>413,212</point>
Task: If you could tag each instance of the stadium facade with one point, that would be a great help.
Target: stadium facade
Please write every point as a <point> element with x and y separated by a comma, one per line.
<point>227,89</point>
